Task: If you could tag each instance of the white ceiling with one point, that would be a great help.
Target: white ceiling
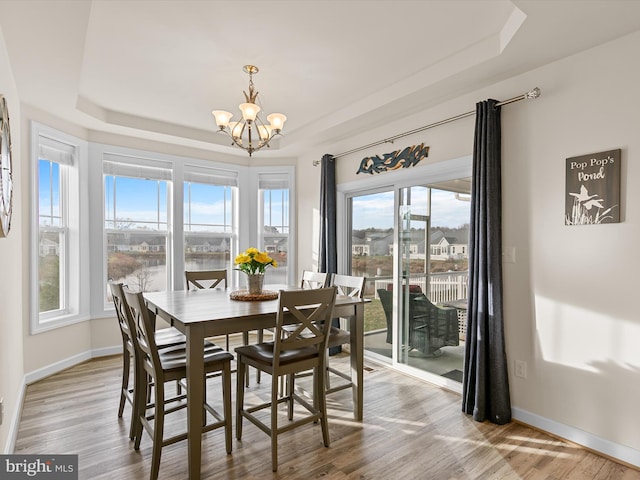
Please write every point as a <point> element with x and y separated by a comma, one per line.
<point>156,69</point>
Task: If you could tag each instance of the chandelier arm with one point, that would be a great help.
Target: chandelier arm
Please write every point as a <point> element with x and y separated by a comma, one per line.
<point>250,149</point>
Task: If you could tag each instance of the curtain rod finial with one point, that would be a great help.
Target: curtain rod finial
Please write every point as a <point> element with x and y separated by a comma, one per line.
<point>532,94</point>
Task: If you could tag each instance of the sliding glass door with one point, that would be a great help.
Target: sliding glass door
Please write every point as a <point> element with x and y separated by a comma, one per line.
<point>372,231</point>
<point>411,242</point>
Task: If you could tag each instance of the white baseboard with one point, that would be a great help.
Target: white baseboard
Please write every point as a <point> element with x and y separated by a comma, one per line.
<point>70,362</point>
<point>15,421</point>
<point>47,371</point>
<point>613,450</point>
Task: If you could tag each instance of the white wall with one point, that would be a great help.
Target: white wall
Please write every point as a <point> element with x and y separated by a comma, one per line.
<point>12,280</point>
<point>569,298</point>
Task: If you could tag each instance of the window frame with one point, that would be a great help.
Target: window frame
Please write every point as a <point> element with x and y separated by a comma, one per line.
<point>138,168</point>
<point>283,173</point>
<point>193,173</point>
<point>74,253</point>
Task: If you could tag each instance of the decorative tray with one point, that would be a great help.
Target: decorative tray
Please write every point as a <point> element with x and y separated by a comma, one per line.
<point>244,295</point>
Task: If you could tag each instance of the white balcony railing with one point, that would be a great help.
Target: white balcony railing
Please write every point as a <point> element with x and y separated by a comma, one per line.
<point>443,287</point>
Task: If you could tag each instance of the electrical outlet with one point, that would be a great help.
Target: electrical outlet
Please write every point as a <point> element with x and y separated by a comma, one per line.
<point>521,369</point>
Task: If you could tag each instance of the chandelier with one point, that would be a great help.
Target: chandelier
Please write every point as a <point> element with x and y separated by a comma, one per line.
<point>251,133</point>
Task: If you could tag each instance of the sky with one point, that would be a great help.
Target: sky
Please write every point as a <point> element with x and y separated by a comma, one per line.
<point>143,200</point>
<point>376,210</point>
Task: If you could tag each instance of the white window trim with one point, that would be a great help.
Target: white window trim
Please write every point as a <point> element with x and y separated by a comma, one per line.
<point>76,257</point>
<point>255,216</point>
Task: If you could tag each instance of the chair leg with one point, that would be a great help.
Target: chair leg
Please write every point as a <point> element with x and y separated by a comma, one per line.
<point>140,407</point>
<point>240,376</point>
<point>158,431</point>
<point>245,342</point>
<point>290,389</point>
<point>274,423</point>
<point>260,340</point>
<point>321,395</point>
<point>126,365</point>
<point>137,388</point>
<point>326,369</point>
<point>226,401</point>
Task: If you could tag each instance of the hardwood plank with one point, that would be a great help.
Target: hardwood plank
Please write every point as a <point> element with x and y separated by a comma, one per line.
<point>411,430</point>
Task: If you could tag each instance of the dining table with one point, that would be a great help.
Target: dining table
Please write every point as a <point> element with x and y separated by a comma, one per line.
<point>200,314</point>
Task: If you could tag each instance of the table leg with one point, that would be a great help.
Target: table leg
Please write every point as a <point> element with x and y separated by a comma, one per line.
<point>195,397</point>
<point>356,328</point>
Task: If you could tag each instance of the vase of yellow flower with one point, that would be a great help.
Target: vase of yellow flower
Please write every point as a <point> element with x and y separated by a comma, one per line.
<point>253,263</point>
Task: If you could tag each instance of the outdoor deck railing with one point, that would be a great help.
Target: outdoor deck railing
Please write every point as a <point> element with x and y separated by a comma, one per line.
<point>443,287</point>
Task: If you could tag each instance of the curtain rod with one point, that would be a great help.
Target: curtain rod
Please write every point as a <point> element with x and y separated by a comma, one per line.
<point>530,95</point>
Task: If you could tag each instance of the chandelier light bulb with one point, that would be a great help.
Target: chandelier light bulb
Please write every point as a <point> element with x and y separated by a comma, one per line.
<point>249,111</point>
<point>236,129</point>
<point>264,131</point>
<point>277,121</point>
<point>222,118</point>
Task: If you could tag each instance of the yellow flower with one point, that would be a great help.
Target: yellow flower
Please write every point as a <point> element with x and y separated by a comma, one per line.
<point>263,258</point>
<point>243,258</point>
<point>253,261</point>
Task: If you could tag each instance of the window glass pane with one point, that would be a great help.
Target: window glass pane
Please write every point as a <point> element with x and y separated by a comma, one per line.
<point>208,226</point>
<point>135,203</point>
<point>137,232</point>
<point>275,231</point>
<point>51,238</point>
<point>49,273</point>
<point>207,208</point>
<point>49,193</point>
<point>138,259</point>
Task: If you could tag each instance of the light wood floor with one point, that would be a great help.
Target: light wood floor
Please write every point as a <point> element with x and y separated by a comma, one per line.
<point>411,430</point>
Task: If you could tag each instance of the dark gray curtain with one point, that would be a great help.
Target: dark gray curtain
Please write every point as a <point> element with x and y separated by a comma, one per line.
<point>486,383</point>
<point>328,261</point>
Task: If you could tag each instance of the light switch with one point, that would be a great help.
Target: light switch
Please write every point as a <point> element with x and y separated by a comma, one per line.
<point>509,255</point>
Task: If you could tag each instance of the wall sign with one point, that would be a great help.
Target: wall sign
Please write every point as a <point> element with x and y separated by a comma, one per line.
<point>405,158</point>
<point>593,189</point>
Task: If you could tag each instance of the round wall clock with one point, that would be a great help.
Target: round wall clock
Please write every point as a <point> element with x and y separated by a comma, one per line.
<point>6,182</point>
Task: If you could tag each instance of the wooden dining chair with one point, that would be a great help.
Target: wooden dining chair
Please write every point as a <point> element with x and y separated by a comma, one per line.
<point>288,354</point>
<point>201,279</point>
<point>352,286</point>
<point>205,278</point>
<point>127,390</point>
<point>312,279</point>
<point>166,337</point>
<point>165,365</point>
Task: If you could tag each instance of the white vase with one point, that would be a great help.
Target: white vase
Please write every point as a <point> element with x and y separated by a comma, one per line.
<point>255,282</point>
